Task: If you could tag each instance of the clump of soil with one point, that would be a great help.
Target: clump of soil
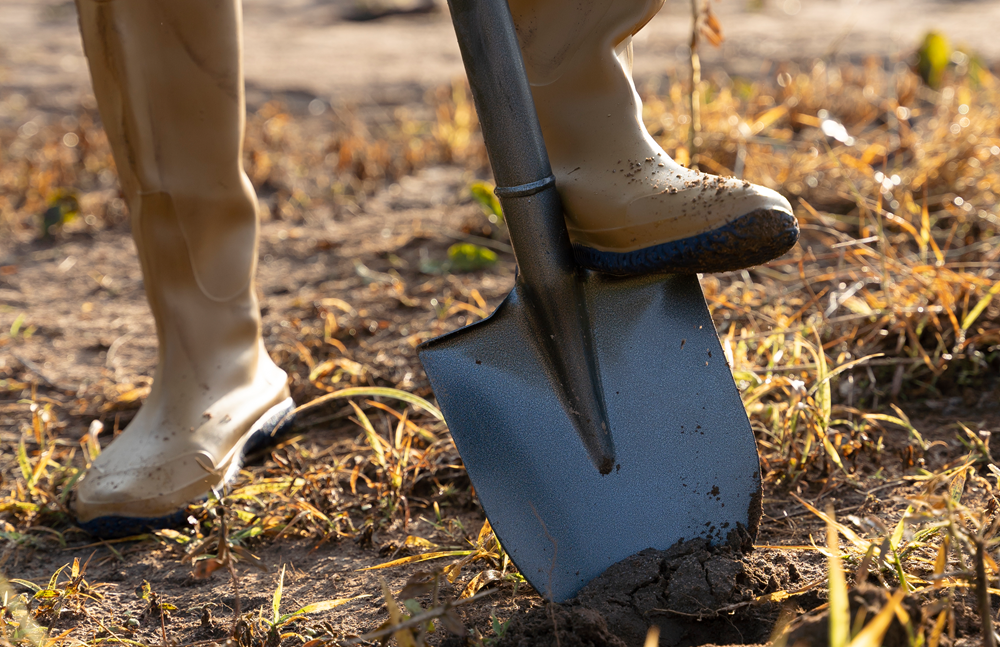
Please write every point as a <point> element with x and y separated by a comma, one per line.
<point>689,591</point>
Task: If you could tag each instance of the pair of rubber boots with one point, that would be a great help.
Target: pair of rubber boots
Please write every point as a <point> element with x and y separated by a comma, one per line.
<point>168,78</point>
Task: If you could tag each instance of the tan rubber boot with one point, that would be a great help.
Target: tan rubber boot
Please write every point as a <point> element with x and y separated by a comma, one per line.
<point>168,78</point>
<point>629,207</point>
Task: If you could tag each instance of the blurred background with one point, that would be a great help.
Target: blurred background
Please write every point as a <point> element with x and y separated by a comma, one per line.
<point>390,50</point>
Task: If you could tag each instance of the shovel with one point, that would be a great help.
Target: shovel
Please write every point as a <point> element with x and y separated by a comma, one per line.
<point>596,415</point>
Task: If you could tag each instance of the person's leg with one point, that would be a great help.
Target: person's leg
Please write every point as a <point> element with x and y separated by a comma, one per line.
<point>168,79</point>
<point>629,207</point>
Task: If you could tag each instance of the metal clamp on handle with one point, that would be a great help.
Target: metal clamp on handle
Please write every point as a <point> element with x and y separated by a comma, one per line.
<point>521,190</point>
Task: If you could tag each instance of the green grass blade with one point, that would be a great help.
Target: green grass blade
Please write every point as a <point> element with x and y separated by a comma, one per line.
<point>23,462</point>
<point>897,565</point>
<point>276,601</point>
<point>840,369</point>
<point>26,584</point>
<point>897,533</point>
<point>413,559</point>
<point>55,577</point>
<point>978,309</point>
<point>373,438</point>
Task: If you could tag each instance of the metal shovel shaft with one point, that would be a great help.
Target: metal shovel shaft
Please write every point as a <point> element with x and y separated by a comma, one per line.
<point>549,282</point>
<point>492,57</point>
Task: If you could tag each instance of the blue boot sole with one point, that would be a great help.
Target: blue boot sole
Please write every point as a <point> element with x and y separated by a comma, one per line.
<point>274,424</point>
<point>755,238</point>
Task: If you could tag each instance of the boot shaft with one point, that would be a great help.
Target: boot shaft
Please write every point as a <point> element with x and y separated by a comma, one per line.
<point>169,81</point>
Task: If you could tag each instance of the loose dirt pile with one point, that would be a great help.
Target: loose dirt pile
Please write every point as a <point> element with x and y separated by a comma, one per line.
<point>696,593</point>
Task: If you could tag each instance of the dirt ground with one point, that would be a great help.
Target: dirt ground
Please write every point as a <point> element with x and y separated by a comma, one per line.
<point>84,348</point>
<point>84,294</point>
<point>374,265</point>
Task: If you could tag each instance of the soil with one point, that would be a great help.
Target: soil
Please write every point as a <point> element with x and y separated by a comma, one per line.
<point>680,591</point>
<point>101,350</point>
<point>94,340</point>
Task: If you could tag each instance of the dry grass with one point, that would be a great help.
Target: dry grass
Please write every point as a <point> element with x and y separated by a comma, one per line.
<point>890,299</point>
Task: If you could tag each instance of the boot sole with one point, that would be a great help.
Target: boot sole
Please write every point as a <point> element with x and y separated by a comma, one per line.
<point>271,426</point>
<point>752,239</point>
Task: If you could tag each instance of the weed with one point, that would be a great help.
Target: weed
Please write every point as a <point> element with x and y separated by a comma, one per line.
<point>253,630</point>
<point>59,596</point>
<point>499,631</point>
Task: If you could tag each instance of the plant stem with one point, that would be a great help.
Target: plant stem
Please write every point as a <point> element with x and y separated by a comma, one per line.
<point>983,594</point>
<point>695,96</point>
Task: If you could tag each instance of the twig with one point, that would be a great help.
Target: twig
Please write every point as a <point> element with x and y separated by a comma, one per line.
<point>111,548</point>
<point>222,554</point>
<point>163,628</point>
<point>236,596</point>
<point>109,360</point>
<point>804,512</point>
<point>983,594</point>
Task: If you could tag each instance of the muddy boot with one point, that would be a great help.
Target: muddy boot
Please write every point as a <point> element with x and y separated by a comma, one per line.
<point>168,78</point>
<point>629,207</point>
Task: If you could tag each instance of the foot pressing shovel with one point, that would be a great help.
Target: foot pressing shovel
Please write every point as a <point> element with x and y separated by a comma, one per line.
<point>596,415</point>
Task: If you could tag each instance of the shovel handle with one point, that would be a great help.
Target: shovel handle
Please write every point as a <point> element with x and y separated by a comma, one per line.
<point>492,57</point>
<point>513,137</point>
<point>549,283</point>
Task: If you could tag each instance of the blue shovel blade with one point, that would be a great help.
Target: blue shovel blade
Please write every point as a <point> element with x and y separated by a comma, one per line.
<point>686,460</point>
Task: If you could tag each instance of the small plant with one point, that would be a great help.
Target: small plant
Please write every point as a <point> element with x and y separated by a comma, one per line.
<point>17,328</point>
<point>933,58</point>
<point>499,631</point>
<point>274,628</point>
<point>466,257</point>
<point>483,192</point>
<point>63,592</point>
<point>155,607</point>
<point>63,207</point>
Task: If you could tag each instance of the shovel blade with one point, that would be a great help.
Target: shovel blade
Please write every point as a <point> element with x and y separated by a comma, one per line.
<point>686,460</point>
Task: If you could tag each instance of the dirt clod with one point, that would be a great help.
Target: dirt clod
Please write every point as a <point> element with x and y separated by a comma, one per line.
<point>685,590</point>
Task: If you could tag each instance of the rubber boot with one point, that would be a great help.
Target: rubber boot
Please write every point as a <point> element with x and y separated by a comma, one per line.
<point>630,208</point>
<point>168,79</point>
